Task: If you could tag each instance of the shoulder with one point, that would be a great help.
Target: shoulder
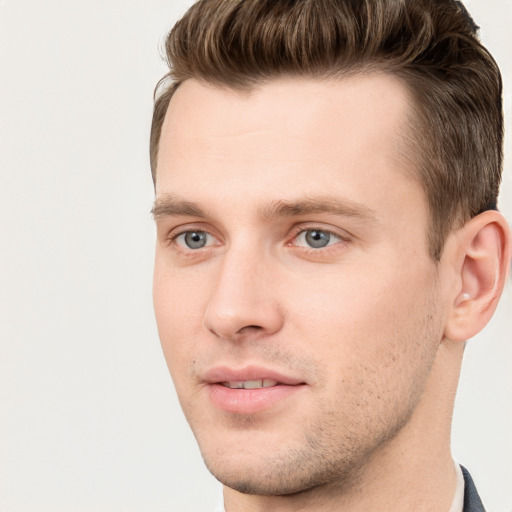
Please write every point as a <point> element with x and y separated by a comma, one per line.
<point>472,501</point>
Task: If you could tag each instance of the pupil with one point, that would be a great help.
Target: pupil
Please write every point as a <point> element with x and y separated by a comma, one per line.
<point>195,239</point>
<point>317,239</point>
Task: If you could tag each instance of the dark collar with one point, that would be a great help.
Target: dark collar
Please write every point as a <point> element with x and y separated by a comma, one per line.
<point>472,501</point>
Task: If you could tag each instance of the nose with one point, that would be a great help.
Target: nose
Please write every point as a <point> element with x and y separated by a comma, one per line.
<point>244,300</point>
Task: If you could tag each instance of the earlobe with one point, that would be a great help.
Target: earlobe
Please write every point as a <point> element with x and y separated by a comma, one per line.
<point>483,252</point>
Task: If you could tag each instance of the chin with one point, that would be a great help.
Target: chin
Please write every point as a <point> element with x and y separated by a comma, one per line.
<point>283,478</point>
<point>279,471</point>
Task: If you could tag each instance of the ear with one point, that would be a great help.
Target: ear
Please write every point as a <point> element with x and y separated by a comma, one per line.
<point>481,260</point>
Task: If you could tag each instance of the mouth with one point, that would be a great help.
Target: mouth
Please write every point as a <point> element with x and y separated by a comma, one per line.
<point>250,390</point>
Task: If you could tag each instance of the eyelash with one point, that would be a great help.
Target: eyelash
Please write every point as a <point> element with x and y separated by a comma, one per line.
<point>175,234</point>
<point>317,254</point>
<point>184,233</point>
<point>173,239</point>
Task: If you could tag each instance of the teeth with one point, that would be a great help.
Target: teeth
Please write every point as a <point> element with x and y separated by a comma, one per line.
<point>250,384</point>
<point>253,384</point>
<point>233,385</point>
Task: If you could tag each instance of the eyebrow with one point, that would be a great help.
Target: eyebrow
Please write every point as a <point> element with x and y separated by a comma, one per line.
<point>323,204</point>
<point>171,206</point>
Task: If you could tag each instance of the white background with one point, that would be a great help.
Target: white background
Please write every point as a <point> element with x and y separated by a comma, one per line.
<point>88,417</point>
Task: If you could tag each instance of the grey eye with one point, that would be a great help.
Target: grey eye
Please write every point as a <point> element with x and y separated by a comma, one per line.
<point>316,238</point>
<point>195,239</point>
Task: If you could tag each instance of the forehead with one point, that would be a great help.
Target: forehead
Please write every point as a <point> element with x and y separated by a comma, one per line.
<point>283,133</point>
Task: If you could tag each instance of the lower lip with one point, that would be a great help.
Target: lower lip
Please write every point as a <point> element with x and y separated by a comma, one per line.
<point>250,401</point>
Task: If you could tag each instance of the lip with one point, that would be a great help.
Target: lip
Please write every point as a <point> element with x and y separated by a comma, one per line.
<point>226,374</point>
<point>250,401</point>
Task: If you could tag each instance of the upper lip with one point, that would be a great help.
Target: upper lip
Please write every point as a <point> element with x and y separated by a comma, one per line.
<point>220,374</point>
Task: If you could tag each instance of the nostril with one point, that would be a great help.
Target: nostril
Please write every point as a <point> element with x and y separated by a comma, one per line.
<point>251,328</point>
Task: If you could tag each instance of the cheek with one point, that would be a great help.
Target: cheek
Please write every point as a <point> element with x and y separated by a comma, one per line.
<point>177,304</point>
<point>177,296</point>
<point>375,317</point>
<point>375,343</point>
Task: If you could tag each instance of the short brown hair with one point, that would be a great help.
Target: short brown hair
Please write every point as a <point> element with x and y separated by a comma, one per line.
<point>456,136</point>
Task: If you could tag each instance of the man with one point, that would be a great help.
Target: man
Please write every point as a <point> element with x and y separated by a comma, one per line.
<point>326,176</point>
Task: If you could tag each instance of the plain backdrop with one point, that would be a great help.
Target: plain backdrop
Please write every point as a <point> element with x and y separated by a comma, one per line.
<point>89,421</point>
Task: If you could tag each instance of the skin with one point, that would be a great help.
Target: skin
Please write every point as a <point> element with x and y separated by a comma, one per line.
<point>369,324</point>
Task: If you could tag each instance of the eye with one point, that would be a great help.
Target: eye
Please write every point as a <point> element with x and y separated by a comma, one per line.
<point>316,238</point>
<point>194,239</point>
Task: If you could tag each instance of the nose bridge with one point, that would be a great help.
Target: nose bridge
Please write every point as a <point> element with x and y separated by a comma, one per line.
<point>242,299</point>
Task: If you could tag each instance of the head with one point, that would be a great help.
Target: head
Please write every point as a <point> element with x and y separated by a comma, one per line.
<point>323,174</point>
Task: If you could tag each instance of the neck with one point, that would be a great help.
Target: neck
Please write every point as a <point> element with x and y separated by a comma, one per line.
<point>402,474</point>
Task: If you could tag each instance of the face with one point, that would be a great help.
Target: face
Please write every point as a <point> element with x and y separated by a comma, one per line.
<point>295,299</point>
